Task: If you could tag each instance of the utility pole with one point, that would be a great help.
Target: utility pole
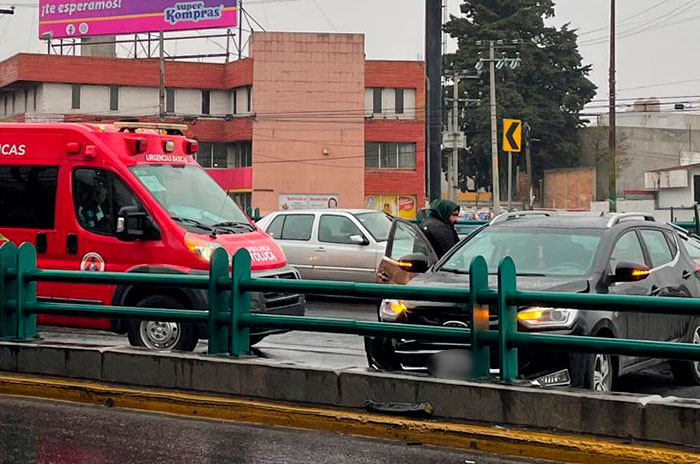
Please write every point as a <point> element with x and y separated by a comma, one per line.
<point>433,118</point>
<point>612,171</point>
<point>452,138</point>
<point>493,64</point>
<point>495,175</point>
<point>161,87</point>
<point>456,139</point>
<point>241,12</point>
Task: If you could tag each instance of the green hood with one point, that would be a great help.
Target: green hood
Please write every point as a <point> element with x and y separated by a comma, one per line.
<point>443,209</point>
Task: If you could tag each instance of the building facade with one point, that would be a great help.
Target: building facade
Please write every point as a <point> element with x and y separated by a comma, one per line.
<point>304,121</point>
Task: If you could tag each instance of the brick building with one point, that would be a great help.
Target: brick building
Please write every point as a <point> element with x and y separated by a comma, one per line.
<point>305,117</point>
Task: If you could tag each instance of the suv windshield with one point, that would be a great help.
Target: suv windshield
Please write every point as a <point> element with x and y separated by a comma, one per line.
<point>545,252</point>
<point>190,196</point>
<point>378,224</point>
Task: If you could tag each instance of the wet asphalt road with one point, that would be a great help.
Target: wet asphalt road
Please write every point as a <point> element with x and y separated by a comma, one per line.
<point>45,432</point>
<point>339,351</point>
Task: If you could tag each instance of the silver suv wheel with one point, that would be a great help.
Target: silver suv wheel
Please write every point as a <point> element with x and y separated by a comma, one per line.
<point>602,373</point>
<point>161,336</point>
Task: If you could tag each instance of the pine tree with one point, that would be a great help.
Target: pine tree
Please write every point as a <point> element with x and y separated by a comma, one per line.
<point>548,90</point>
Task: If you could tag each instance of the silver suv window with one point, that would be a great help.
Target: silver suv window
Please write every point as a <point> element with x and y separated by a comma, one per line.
<point>337,229</point>
<point>291,227</point>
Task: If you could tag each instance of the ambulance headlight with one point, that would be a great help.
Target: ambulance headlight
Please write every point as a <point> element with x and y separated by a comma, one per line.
<point>202,249</point>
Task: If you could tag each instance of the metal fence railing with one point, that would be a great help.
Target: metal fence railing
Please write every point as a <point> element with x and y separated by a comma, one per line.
<point>229,319</point>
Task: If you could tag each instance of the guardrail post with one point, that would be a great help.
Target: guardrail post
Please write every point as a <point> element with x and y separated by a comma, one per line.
<point>507,320</point>
<point>26,291</point>
<point>240,303</point>
<point>218,302</point>
<point>478,280</point>
<point>8,290</point>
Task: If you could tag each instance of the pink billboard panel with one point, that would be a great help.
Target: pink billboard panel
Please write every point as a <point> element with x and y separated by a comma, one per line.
<point>81,18</point>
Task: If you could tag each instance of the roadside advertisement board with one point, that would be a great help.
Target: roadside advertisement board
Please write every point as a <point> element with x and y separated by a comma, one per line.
<point>307,201</point>
<point>80,18</point>
<point>402,206</point>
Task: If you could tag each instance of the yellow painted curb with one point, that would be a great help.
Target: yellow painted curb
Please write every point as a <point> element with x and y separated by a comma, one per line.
<point>485,439</point>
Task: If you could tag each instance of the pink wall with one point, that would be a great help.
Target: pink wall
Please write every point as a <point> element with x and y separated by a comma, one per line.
<point>308,96</point>
<point>233,178</point>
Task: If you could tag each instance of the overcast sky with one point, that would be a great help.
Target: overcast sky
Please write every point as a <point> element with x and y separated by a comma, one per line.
<point>657,46</point>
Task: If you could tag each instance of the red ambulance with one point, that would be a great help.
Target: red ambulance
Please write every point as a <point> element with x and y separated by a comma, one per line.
<point>127,197</point>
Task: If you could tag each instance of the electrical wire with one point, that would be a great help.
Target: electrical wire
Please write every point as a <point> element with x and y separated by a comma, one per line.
<point>654,24</point>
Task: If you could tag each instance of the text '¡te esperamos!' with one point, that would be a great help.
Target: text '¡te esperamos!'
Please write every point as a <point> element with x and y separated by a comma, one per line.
<point>70,8</point>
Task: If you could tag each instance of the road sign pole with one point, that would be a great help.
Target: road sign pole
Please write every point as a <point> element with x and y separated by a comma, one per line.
<point>495,190</point>
<point>510,180</point>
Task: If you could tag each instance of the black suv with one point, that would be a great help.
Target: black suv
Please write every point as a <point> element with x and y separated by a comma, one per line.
<point>565,252</point>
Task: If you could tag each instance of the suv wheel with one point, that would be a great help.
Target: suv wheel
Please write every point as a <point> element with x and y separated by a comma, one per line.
<point>600,373</point>
<point>162,336</point>
<point>380,354</point>
<point>688,372</point>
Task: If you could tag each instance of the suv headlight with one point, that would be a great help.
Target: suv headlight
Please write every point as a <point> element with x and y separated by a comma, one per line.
<point>201,248</point>
<point>547,318</point>
<point>391,310</point>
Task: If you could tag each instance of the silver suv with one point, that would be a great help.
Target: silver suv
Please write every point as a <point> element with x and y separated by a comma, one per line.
<point>331,244</point>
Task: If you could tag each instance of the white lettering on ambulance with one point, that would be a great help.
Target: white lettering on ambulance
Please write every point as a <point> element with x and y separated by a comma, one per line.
<point>158,158</point>
<point>261,254</point>
<point>12,150</point>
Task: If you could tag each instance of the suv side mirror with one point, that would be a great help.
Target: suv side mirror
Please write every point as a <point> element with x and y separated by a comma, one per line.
<point>416,263</point>
<point>133,224</point>
<point>630,272</point>
<point>359,240</point>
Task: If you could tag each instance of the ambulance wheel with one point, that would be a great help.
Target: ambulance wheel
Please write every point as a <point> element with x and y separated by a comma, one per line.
<point>162,336</point>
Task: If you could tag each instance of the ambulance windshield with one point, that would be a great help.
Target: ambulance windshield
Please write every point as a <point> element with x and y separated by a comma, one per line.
<point>191,197</point>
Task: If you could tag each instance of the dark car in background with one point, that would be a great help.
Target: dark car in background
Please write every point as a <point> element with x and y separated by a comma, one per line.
<point>627,254</point>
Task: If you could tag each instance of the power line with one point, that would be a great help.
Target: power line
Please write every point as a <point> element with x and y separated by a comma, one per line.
<point>622,21</point>
<point>655,24</point>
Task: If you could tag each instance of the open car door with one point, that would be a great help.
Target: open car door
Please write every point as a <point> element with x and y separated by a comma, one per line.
<point>408,253</point>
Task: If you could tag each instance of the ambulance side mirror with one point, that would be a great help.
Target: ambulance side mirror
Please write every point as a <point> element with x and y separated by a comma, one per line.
<point>133,224</point>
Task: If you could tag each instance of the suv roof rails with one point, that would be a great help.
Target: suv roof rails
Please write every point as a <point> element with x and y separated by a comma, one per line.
<point>169,129</point>
<point>682,230</point>
<point>616,218</point>
<point>519,214</point>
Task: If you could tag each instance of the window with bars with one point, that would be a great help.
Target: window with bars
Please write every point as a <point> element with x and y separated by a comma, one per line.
<point>390,102</point>
<point>114,98</point>
<point>390,155</point>
<point>75,96</point>
<point>169,100</point>
<point>206,102</point>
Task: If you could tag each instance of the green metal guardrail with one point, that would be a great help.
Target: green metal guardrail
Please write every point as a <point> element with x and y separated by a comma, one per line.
<point>229,318</point>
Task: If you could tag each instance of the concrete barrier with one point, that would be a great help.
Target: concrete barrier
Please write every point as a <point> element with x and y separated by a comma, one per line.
<point>620,416</point>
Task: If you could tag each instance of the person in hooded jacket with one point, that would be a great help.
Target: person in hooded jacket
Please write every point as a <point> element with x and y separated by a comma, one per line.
<point>439,226</point>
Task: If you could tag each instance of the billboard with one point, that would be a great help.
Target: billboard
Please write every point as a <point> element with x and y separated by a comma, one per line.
<point>79,18</point>
<point>307,201</point>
